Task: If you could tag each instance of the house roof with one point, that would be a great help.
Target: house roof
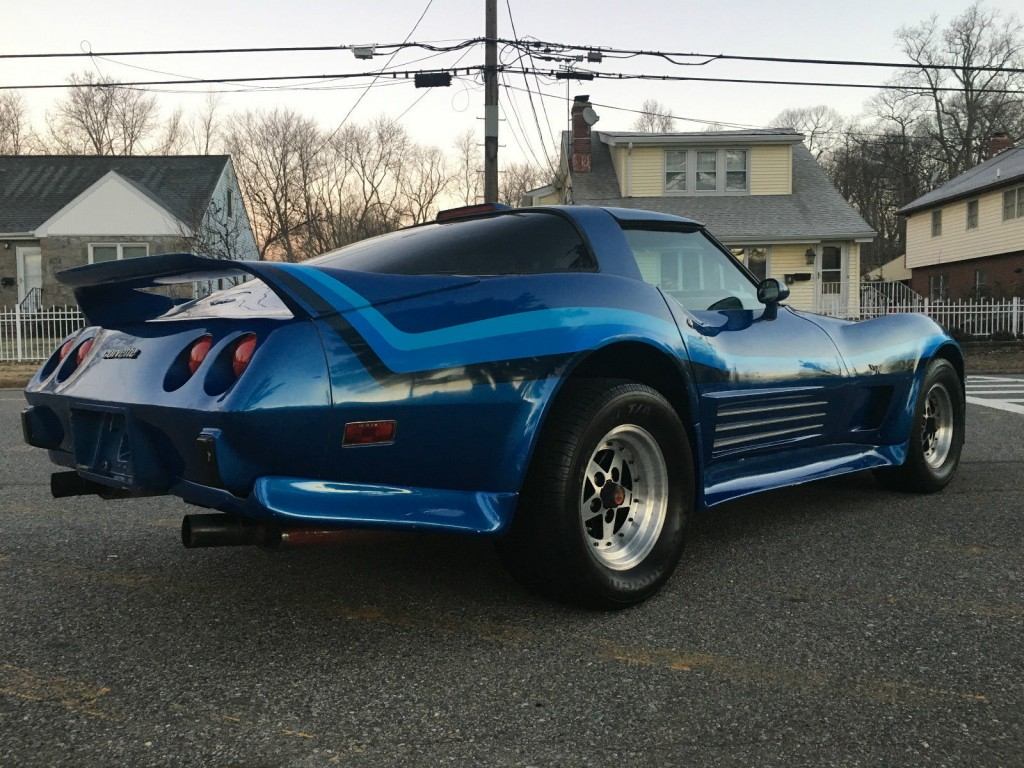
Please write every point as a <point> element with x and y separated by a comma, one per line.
<point>762,135</point>
<point>1005,168</point>
<point>815,210</point>
<point>34,187</point>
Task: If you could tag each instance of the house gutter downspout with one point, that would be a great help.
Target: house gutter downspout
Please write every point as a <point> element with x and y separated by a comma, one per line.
<point>629,170</point>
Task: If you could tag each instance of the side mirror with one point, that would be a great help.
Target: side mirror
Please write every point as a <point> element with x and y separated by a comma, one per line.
<point>770,291</point>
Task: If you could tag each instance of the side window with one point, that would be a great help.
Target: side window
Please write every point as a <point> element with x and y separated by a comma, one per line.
<point>691,269</point>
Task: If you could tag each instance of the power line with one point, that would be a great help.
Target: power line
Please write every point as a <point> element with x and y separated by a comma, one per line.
<point>405,74</point>
<point>710,57</point>
<point>529,93</point>
<point>535,45</point>
<point>370,85</point>
<point>589,74</point>
<point>378,47</point>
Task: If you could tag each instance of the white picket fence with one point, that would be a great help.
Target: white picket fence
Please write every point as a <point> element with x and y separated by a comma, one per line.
<point>29,336</point>
<point>964,318</point>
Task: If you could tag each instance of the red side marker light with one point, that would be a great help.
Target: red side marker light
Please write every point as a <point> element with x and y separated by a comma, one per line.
<point>369,432</point>
<point>198,352</point>
<point>83,351</point>
<point>244,348</point>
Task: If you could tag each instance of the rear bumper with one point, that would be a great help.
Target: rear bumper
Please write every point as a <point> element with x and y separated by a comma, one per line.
<point>293,501</point>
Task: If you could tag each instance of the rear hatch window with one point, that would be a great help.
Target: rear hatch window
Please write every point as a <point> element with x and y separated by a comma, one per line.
<point>509,244</point>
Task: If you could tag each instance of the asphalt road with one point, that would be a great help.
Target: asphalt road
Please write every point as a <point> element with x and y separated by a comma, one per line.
<point>834,624</point>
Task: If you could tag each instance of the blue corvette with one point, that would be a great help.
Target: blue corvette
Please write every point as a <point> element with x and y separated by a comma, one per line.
<point>519,374</point>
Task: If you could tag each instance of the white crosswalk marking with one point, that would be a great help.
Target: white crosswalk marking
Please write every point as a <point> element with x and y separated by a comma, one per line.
<point>1006,393</point>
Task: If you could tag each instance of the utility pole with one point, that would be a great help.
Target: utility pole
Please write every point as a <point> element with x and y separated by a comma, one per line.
<point>491,102</point>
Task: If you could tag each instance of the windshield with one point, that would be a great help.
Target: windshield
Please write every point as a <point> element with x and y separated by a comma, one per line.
<point>691,269</point>
<point>510,244</point>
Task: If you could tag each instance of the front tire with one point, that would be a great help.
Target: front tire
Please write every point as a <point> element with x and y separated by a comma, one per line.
<point>603,511</point>
<point>936,434</point>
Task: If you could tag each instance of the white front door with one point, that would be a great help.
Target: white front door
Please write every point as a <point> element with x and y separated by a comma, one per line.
<point>30,270</point>
<point>831,289</point>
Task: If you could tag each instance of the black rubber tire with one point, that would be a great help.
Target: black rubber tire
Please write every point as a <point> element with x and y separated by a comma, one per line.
<point>916,475</point>
<point>546,548</point>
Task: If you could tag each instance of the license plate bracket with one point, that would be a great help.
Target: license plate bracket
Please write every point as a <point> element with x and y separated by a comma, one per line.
<point>102,445</point>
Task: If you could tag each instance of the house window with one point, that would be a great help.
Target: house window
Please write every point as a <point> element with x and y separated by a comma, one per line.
<point>675,170</point>
<point>736,170</point>
<point>980,287</point>
<point>231,203</point>
<point>937,287</point>
<point>936,222</point>
<point>707,171</point>
<point>972,214</point>
<point>755,257</point>
<point>1013,204</point>
<point>113,251</point>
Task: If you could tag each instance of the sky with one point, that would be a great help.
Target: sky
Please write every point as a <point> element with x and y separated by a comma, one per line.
<point>847,30</point>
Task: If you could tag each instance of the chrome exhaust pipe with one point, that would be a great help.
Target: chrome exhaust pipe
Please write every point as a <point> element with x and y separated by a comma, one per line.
<point>222,530</point>
<point>65,484</point>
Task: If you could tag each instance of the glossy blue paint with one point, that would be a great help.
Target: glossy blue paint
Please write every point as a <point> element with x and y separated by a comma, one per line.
<point>470,368</point>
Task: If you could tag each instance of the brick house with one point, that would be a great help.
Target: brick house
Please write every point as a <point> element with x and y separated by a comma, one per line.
<point>63,211</point>
<point>965,239</point>
<point>760,192</point>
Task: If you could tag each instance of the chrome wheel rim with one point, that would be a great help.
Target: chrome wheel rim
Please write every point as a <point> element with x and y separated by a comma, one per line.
<point>937,427</point>
<point>624,499</point>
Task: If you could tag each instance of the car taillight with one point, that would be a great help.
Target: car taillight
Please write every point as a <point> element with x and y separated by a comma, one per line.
<point>198,352</point>
<point>83,351</point>
<point>65,348</point>
<point>244,348</point>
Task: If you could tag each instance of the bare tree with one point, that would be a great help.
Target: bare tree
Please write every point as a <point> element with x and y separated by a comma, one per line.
<point>822,127</point>
<point>14,128</point>
<point>173,136</point>
<point>205,129</point>
<point>268,150</point>
<point>467,184</point>
<point>516,179</point>
<point>979,46</point>
<point>655,117</point>
<point>426,178</point>
<point>97,118</point>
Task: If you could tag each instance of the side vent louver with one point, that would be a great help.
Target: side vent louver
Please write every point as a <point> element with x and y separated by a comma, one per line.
<point>763,420</point>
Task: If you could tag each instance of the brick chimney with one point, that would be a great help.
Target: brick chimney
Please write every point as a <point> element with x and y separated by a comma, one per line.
<point>583,116</point>
<point>999,142</point>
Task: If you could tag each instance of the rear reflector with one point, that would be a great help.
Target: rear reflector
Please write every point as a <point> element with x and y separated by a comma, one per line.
<point>370,432</point>
<point>244,348</point>
<point>198,352</point>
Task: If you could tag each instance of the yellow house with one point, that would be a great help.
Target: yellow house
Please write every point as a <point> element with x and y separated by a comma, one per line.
<point>965,239</point>
<point>760,192</point>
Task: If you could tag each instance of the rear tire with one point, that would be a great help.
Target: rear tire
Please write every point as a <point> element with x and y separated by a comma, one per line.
<point>603,511</point>
<point>936,434</point>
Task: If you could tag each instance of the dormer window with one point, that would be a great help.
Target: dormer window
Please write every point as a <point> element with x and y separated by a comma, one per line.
<point>675,170</point>
<point>736,170</point>
<point>707,172</point>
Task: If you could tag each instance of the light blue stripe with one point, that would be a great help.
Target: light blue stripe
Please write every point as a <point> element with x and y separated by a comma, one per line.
<point>537,332</point>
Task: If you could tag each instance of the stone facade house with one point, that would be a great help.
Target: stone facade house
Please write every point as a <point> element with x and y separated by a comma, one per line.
<point>760,192</point>
<point>63,211</point>
<point>965,239</point>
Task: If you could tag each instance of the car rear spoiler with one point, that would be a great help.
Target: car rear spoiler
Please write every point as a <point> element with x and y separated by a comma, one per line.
<point>111,292</point>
